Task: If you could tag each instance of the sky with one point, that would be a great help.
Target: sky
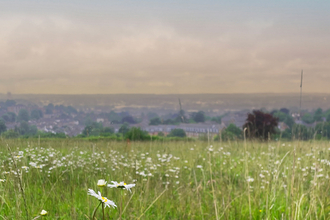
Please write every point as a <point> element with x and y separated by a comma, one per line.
<point>164,47</point>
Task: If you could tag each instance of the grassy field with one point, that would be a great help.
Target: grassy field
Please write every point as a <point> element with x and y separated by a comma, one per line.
<point>174,180</point>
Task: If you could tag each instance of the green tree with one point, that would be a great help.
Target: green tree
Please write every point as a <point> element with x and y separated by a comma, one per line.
<point>23,115</point>
<point>155,121</point>
<point>323,129</point>
<point>88,121</point>
<point>136,134</point>
<point>283,117</point>
<point>5,117</point>
<point>33,130</point>
<point>12,116</point>
<point>128,119</point>
<point>25,129</point>
<point>70,110</point>
<point>36,114</point>
<point>124,128</point>
<point>178,132</point>
<point>198,116</point>
<point>232,128</point>
<point>216,119</point>
<point>286,134</point>
<point>307,118</point>
<point>3,127</point>
<point>107,131</point>
<point>114,118</point>
<point>285,110</point>
<point>160,134</point>
<point>280,115</point>
<point>11,134</point>
<point>289,121</point>
<point>318,115</point>
<point>49,108</point>
<point>94,129</point>
<point>9,103</point>
<point>232,132</point>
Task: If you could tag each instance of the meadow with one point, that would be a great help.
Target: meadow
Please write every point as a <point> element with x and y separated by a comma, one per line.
<point>174,180</point>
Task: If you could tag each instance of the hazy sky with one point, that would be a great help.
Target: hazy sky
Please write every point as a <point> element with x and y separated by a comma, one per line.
<point>164,46</point>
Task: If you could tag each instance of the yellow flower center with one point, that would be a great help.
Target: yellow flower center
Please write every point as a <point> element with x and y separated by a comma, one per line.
<point>121,186</point>
<point>104,199</point>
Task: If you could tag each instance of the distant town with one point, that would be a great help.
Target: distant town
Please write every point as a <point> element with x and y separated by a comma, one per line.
<point>66,121</point>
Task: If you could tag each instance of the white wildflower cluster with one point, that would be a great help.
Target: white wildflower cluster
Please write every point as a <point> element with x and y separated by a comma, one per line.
<point>266,166</point>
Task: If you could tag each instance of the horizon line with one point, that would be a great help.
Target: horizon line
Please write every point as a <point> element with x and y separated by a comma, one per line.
<point>252,93</point>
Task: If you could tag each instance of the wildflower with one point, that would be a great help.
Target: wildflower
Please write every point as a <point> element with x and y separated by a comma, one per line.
<point>250,180</point>
<point>106,201</point>
<point>43,212</point>
<point>121,185</point>
<point>101,183</point>
<point>2,180</point>
<point>199,166</point>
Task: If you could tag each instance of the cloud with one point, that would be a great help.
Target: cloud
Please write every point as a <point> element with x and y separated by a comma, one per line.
<point>61,53</point>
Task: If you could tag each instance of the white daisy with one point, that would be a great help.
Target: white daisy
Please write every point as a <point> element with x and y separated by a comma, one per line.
<point>121,185</point>
<point>249,179</point>
<point>106,201</point>
<point>101,183</point>
<point>43,212</point>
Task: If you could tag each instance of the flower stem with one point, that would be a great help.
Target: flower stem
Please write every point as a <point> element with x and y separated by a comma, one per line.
<point>103,209</point>
<point>121,204</point>
<point>94,213</point>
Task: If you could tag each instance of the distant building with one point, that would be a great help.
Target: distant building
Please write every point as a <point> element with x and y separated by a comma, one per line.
<point>300,122</point>
<point>282,126</point>
<point>192,130</point>
<point>98,120</point>
<point>16,108</point>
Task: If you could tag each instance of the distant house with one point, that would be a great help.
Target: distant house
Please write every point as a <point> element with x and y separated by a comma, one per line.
<point>192,130</point>
<point>16,108</point>
<point>282,126</point>
<point>98,120</point>
<point>300,122</point>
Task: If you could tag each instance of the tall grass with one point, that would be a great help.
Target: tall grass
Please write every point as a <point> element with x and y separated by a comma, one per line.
<point>174,180</point>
